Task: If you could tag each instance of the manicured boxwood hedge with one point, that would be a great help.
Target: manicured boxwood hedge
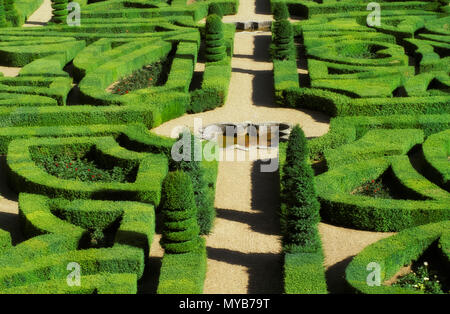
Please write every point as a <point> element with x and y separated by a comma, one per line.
<point>45,258</point>
<point>393,253</point>
<point>368,155</point>
<point>25,176</point>
<point>183,266</point>
<point>303,269</point>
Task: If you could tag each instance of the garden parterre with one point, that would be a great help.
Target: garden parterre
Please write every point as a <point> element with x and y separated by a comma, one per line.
<point>105,226</point>
<point>386,86</point>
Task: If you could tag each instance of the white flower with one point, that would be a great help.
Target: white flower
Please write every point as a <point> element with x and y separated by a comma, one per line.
<point>426,278</point>
<point>425,263</point>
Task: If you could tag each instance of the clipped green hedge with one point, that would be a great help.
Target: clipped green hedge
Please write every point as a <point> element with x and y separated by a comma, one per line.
<point>393,253</point>
<point>303,270</point>
<point>436,150</point>
<point>45,258</point>
<point>25,176</point>
<point>42,215</point>
<point>180,228</point>
<point>91,284</point>
<point>183,273</point>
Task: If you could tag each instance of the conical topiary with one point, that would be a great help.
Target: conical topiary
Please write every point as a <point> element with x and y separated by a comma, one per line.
<point>215,43</point>
<point>280,11</point>
<point>59,11</point>
<point>300,210</point>
<point>283,39</point>
<point>180,229</point>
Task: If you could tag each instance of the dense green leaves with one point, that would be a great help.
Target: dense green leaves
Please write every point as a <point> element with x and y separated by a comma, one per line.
<point>181,232</point>
<point>300,206</point>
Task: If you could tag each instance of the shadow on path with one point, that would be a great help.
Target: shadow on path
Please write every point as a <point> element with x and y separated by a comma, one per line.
<point>264,269</point>
<point>262,7</point>
<point>335,277</point>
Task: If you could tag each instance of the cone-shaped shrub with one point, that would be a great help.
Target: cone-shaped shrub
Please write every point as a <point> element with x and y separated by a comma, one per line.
<point>283,39</point>
<point>215,8</point>
<point>280,11</point>
<point>59,11</point>
<point>180,228</point>
<point>205,206</point>
<point>300,209</point>
<point>215,43</point>
<point>2,14</point>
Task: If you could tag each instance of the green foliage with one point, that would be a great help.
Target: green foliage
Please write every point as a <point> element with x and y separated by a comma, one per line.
<point>421,278</point>
<point>304,273</point>
<point>59,11</point>
<point>303,261</point>
<point>300,209</point>
<point>145,77</point>
<point>2,14</point>
<point>70,167</point>
<point>391,254</point>
<point>205,99</point>
<point>215,8</point>
<point>181,231</point>
<point>374,188</point>
<point>280,11</point>
<point>25,176</point>
<point>183,273</point>
<point>283,40</point>
<point>215,46</point>
<point>194,168</point>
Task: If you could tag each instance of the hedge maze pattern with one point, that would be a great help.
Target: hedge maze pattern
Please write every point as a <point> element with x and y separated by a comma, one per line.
<point>61,104</point>
<point>388,87</point>
<point>384,164</point>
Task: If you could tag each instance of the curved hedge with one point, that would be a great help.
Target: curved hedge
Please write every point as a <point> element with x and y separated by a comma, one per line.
<point>25,176</point>
<point>393,253</point>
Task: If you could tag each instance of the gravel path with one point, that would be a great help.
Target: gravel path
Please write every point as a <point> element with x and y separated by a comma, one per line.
<point>244,247</point>
<point>41,16</point>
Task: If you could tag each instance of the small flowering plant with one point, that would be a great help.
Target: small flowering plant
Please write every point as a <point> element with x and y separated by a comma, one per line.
<point>422,278</point>
<point>374,188</point>
<point>143,78</point>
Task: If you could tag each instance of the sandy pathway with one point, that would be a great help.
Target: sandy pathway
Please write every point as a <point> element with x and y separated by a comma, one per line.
<point>8,200</point>
<point>9,209</point>
<point>251,10</point>
<point>250,96</point>
<point>340,245</point>
<point>41,16</point>
<point>244,247</point>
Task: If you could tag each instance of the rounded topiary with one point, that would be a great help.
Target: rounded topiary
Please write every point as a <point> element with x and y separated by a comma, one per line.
<point>2,14</point>
<point>280,11</point>
<point>59,11</point>
<point>215,44</point>
<point>180,228</point>
<point>215,8</point>
<point>300,209</point>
